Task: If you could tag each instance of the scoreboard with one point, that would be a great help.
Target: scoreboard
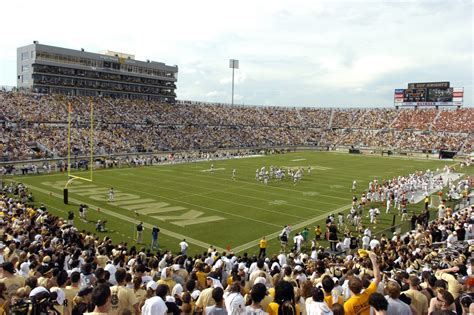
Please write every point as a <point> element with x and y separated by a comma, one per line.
<point>429,94</point>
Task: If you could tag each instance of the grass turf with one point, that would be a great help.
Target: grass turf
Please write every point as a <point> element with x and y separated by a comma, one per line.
<point>189,201</point>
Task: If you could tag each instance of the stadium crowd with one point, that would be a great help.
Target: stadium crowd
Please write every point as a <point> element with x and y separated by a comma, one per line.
<point>35,126</point>
<point>47,265</point>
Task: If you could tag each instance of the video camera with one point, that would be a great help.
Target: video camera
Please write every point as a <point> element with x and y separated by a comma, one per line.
<point>40,304</point>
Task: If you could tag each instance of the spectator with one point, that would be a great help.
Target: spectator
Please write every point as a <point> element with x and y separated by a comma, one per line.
<point>123,298</point>
<point>219,307</point>
<point>234,301</point>
<point>418,300</point>
<point>284,301</point>
<point>395,305</point>
<point>315,305</point>
<point>442,304</point>
<point>100,299</point>
<point>257,294</point>
<point>156,305</point>
<point>379,303</point>
<point>359,301</point>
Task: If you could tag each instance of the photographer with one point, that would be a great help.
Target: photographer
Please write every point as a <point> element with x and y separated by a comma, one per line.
<point>154,237</point>
<point>83,212</point>
<point>100,226</point>
<point>140,229</point>
<point>70,218</point>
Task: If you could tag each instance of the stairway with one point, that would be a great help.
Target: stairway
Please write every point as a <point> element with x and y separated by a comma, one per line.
<point>298,114</point>
<point>330,118</point>
<point>434,120</point>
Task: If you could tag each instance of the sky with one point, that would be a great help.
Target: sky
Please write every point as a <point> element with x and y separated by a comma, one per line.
<point>313,53</point>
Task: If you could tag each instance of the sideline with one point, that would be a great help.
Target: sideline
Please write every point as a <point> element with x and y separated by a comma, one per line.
<point>254,243</point>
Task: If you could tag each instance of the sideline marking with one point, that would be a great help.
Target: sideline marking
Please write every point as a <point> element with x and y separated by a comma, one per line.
<point>214,169</point>
<point>305,167</point>
<point>310,193</point>
<point>277,202</point>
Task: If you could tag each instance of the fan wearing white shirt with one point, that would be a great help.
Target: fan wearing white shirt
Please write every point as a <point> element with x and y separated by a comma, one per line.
<point>156,304</point>
<point>234,301</point>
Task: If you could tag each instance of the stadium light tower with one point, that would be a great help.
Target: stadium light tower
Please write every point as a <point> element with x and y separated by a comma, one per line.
<point>233,64</point>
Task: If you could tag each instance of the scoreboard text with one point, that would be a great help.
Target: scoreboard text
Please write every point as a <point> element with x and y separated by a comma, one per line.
<point>429,94</point>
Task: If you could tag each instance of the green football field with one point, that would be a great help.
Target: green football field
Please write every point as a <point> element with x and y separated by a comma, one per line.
<point>189,201</point>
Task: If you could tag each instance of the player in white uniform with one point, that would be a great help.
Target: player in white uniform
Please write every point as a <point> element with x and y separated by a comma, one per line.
<point>340,218</point>
<point>357,220</point>
<point>354,185</point>
<point>369,196</point>
<point>233,174</point>
<point>111,194</point>
<point>298,239</point>
<point>373,215</point>
<point>370,213</point>
<point>278,174</point>
<point>351,215</point>
<point>296,176</point>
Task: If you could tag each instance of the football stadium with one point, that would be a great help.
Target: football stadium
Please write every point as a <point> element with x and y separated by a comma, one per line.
<point>118,196</point>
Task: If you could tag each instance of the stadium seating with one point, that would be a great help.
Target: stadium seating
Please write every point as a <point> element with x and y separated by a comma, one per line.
<point>35,126</point>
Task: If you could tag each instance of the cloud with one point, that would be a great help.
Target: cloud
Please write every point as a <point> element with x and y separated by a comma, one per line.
<point>214,93</point>
<point>238,97</point>
<point>302,53</point>
<point>239,77</point>
<point>187,70</point>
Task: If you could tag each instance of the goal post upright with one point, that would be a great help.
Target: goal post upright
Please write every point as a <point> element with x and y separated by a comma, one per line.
<point>91,139</point>
<point>69,109</point>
